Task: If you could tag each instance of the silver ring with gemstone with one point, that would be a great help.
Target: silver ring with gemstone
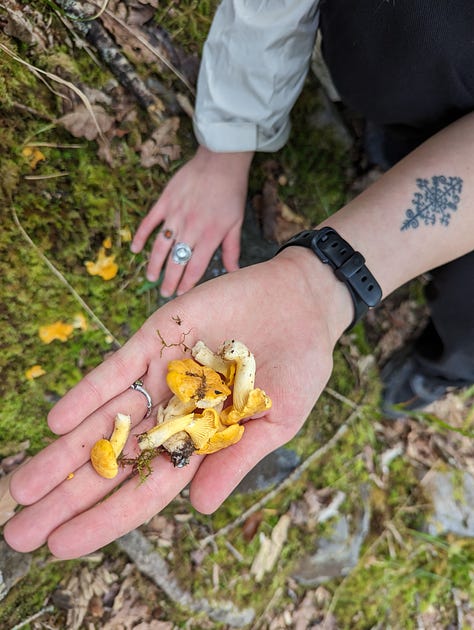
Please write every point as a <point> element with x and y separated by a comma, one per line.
<point>181,253</point>
<point>138,387</point>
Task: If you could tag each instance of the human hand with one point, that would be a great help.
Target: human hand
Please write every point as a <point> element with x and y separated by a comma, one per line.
<point>288,323</point>
<point>203,206</point>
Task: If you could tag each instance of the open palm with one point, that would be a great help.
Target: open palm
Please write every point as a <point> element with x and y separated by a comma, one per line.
<point>264,306</point>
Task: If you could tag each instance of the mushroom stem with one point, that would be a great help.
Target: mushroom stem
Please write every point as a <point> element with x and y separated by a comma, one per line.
<point>159,434</point>
<point>205,356</point>
<point>120,433</point>
<point>245,370</point>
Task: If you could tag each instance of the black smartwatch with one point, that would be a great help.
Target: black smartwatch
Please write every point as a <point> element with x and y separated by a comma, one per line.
<point>348,266</point>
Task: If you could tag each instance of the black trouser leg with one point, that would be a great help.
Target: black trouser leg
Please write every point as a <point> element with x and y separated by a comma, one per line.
<point>408,68</point>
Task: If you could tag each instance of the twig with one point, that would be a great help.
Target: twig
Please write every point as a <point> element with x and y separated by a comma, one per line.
<point>25,622</point>
<point>152,49</point>
<point>63,280</point>
<point>50,176</point>
<point>177,344</point>
<point>340,397</point>
<point>33,111</point>
<point>292,477</point>
<point>97,35</point>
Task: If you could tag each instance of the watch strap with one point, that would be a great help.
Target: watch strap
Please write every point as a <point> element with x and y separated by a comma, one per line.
<point>348,266</point>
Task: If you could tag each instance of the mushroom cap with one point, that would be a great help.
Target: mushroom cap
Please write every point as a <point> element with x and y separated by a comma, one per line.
<point>222,439</point>
<point>203,427</point>
<point>103,459</point>
<point>257,401</point>
<point>190,381</point>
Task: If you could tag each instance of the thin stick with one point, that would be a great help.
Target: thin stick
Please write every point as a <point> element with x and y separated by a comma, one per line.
<point>40,177</point>
<point>25,622</point>
<point>152,49</point>
<point>60,276</point>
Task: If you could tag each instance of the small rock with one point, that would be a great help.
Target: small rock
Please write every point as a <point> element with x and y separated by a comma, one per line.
<point>270,471</point>
<point>452,496</point>
<point>13,567</point>
<point>337,555</point>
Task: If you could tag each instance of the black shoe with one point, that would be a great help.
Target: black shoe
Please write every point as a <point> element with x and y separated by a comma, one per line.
<point>408,388</point>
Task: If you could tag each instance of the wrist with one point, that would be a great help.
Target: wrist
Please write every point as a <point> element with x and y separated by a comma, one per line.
<point>327,298</point>
<point>230,162</point>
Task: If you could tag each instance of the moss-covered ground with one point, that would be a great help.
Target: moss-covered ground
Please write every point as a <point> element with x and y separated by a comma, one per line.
<point>56,217</point>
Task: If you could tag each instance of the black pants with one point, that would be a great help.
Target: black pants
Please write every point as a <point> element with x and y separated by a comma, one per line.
<point>407,66</point>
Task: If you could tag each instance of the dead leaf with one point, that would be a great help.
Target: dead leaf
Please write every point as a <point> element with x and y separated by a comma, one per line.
<point>270,549</point>
<point>251,525</point>
<point>19,26</point>
<point>7,502</point>
<point>161,148</point>
<point>81,124</point>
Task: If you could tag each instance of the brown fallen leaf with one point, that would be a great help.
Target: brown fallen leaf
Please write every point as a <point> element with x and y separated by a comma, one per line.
<point>81,124</point>
<point>251,525</point>
<point>162,147</point>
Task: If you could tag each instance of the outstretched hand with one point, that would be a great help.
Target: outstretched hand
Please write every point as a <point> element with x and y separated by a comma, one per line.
<point>269,307</point>
<point>202,206</point>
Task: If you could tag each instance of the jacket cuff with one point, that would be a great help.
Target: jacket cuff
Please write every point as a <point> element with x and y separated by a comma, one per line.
<point>230,137</point>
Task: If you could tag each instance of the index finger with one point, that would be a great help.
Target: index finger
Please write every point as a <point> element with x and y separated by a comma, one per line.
<point>103,383</point>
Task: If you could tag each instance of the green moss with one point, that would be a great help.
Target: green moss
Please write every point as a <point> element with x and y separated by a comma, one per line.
<point>34,590</point>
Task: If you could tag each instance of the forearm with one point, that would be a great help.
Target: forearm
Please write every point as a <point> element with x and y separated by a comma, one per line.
<point>399,246</point>
<point>441,228</point>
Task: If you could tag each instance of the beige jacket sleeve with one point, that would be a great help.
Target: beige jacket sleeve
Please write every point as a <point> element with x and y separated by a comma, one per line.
<point>254,63</point>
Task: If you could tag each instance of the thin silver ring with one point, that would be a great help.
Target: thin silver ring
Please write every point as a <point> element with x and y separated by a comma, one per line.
<point>181,253</point>
<point>138,387</point>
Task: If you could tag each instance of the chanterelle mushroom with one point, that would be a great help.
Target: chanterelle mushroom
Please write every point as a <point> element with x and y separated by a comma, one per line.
<point>190,381</point>
<point>246,400</point>
<point>104,453</point>
<point>194,421</point>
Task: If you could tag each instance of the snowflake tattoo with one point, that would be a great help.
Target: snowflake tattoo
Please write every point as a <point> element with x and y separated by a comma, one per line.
<point>435,202</point>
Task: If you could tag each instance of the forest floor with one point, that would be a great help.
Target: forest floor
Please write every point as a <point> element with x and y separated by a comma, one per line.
<point>351,537</point>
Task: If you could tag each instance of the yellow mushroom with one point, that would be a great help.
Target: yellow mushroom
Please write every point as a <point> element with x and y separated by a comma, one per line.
<point>222,439</point>
<point>257,401</point>
<point>205,356</point>
<point>245,370</point>
<point>182,435</point>
<point>190,381</point>
<point>158,435</point>
<point>104,453</point>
